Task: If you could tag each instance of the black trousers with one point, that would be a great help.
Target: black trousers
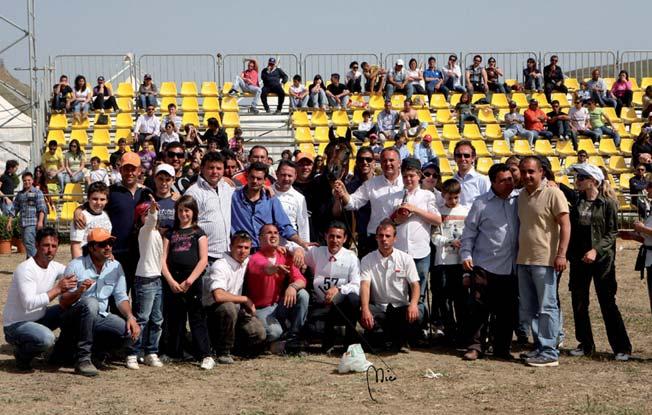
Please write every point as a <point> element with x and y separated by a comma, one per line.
<point>354,86</point>
<point>393,321</point>
<point>348,308</point>
<point>362,135</point>
<point>274,89</point>
<point>104,103</point>
<point>449,298</point>
<point>491,295</point>
<point>180,307</point>
<point>550,87</point>
<point>581,275</point>
<point>649,285</point>
<point>624,101</point>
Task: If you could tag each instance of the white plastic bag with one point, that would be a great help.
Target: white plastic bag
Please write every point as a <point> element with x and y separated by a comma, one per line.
<point>353,360</point>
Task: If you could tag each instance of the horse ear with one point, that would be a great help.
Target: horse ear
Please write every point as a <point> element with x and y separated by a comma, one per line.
<point>331,134</point>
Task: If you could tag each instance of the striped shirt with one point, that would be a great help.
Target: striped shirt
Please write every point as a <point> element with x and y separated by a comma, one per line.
<point>29,203</point>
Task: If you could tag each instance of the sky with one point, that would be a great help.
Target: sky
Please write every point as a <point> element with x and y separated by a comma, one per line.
<point>334,26</point>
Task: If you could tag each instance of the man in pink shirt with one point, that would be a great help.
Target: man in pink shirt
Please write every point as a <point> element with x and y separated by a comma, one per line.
<point>277,289</point>
<point>534,122</point>
<point>248,82</point>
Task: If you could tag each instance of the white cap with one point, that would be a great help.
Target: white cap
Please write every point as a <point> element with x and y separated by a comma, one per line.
<point>165,168</point>
<point>589,170</point>
<point>400,62</point>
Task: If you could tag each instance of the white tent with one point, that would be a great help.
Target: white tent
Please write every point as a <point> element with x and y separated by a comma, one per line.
<point>15,135</point>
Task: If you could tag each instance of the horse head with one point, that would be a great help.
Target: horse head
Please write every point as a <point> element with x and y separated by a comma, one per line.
<point>338,151</point>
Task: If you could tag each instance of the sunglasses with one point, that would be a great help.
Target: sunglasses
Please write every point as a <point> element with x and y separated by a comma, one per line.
<point>462,155</point>
<point>428,174</point>
<point>105,244</point>
<point>172,154</point>
<point>365,159</point>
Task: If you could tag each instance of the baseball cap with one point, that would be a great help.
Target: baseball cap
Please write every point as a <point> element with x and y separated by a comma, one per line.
<point>140,209</point>
<point>534,101</point>
<point>100,78</point>
<point>589,170</point>
<point>427,138</point>
<point>400,62</point>
<point>99,235</point>
<point>148,76</point>
<point>130,158</point>
<point>272,60</point>
<point>301,156</point>
<point>410,163</point>
<point>164,168</point>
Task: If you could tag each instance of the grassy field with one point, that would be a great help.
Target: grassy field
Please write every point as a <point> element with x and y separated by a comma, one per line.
<point>311,385</point>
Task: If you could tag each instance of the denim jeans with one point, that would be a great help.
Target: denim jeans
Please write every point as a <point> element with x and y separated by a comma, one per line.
<point>517,130</point>
<point>79,106</point>
<point>423,268</point>
<point>560,128</point>
<point>391,89</point>
<point>148,309</point>
<point>430,89</point>
<point>450,84</point>
<point>65,178</point>
<point>274,317</point>
<point>603,100</point>
<point>604,130</point>
<point>536,134</point>
<point>334,104</point>
<point>537,288</point>
<point>147,100</point>
<point>318,99</point>
<point>30,338</point>
<point>299,102</point>
<point>251,89</point>
<point>29,240</point>
<point>533,83</point>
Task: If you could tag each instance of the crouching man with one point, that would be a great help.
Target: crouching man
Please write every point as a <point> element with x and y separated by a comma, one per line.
<point>231,315</point>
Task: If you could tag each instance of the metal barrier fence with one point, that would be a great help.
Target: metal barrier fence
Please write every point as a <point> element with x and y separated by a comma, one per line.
<point>115,68</point>
<point>638,63</point>
<point>233,65</point>
<point>421,57</point>
<point>580,64</point>
<point>326,64</point>
<point>510,63</point>
<point>178,68</point>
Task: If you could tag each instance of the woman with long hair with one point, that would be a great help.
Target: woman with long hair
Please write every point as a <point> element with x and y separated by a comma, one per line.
<point>74,162</point>
<point>81,100</point>
<point>317,92</point>
<point>532,76</point>
<point>622,91</point>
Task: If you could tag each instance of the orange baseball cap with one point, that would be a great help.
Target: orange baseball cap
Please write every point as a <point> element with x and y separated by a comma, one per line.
<point>303,156</point>
<point>130,158</point>
<point>99,235</point>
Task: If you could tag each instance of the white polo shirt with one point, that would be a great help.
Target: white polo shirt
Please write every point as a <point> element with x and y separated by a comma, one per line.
<point>383,196</point>
<point>390,277</point>
<point>226,274</point>
<point>341,270</point>
<point>413,236</point>
<point>294,205</point>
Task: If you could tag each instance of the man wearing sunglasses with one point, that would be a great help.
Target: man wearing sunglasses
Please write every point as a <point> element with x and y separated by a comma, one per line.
<point>473,183</point>
<point>87,317</point>
<point>148,127</point>
<point>453,75</point>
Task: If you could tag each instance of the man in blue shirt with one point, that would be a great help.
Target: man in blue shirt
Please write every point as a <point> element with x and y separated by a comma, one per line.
<point>489,247</point>
<point>424,153</point>
<point>87,322</point>
<point>434,79</point>
<point>253,206</point>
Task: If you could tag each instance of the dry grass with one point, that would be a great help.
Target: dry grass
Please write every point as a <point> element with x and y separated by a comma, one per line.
<point>272,384</point>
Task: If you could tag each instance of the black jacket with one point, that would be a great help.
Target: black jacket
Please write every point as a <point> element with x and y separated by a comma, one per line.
<point>274,78</point>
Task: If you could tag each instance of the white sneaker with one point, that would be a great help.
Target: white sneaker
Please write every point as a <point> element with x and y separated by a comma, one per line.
<point>132,362</point>
<point>208,363</point>
<point>153,360</point>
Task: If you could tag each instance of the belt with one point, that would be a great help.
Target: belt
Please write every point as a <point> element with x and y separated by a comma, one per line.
<point>147,280</point>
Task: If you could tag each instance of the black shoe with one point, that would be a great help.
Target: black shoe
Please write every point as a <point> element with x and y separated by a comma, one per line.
<point>542,361</point>
<point>86,368</point>
<point>277,112</point>
<point>522,340</point>
<point>267,110</point>
<point>23,365</point>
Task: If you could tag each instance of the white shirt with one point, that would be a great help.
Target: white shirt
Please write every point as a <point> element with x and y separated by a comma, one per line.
<point>214,214</point>
<point>341,270</point>
<point>579,119</point>
<point>413,236</point>
<point>295,207</point>
<point>390,277</point>
<point>148,125</point>
<point>383,195</point>
<point>150,245</point>
<point>455,73</point>
<point>451,228</point>
<point>93,220</point>
<point>100,175</point>
<point>226,274</point>
<point>167,138</point>
<point>27,298</point>
<point>473,185</point>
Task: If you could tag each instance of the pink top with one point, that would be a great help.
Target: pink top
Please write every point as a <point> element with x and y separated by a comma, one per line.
<point>619,88</point>
<point>265,290</point>
<point>251,75</point>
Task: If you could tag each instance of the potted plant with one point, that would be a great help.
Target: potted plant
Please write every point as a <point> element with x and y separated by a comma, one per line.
<point>5,235</point>
<point>16,237</point>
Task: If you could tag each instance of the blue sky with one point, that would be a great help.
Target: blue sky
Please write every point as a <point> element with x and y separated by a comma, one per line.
<point>165,26</point>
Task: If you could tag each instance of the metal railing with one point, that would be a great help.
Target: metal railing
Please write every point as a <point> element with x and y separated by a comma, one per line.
<point>421,57</point>
<point>580,64</point>
<point>510,63</point>
<point>638,63</point>
<point>233,64</point>
<point>326,64</point>
<point>115,68</point>
<point>178,68</point>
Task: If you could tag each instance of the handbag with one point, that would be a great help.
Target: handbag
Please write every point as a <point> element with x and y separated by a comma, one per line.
<point>102,119</point>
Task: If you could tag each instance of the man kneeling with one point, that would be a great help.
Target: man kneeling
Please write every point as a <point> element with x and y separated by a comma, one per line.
<point>231,315</point>
<point>87,322</point>
<point>389,290</point>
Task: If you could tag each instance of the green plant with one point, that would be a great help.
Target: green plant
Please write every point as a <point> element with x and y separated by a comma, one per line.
<point>5,234</point>
<point>15,228</point>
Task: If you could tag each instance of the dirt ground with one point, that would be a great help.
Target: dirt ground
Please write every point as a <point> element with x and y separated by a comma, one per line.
<point>310,385</point>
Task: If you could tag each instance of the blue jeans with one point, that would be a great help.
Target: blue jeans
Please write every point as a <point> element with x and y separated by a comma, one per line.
<point>517,130</point>
<point>603,100</point>
<point>29,240</point>
<point>299,102</point>
<point>450,84</point>
<point>536,134</point>
<point>390,89</point>
<point>30,338</point>
<point>537,288</point>
<point>147,100</point>
<point>423,269</point>
<point>318,99</point>
<point>274,317</point>
<point>251,89</point>
<point>79,106</point>
<point>604,130</point>
<point>342,104</point>
<point>148,309</point>
<point>430,89</point>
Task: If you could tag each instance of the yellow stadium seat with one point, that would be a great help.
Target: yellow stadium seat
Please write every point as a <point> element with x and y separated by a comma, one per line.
<point>432,131</point>
<point>419,101</point>
<point>520,99</point>
<point>624,181</point>
<point>126,90</point>
<point>353,98</point>
<point>190,104</point>
<point>444,116</point>
<point>300,119</point>
<point>123,120</point>
<point>438,101</point>
<point>210,104</point>
<point>563,179</point>
<point>58,122</point>
<point>341,132</point>
<point>68,210</point>
<point>126,104</point>
<point>477,97</point>
<point>481,149</point>
<point>637,99</point>
<point>511,82</point>
<point>97,126</point>
<point>56,135</point>
<point>52,214</point>
<point>445,167</point>
<point>451,146</point>
<point>565,148</point>
<point>501,114</point>
<point>209,89</point>
<point>286,87</point>
<point>165,101</point>
<point>84,125</point>
<point>493,132</point>
<point>472,132</point>
<point>619,127</point>
<point>610,114</point>
<point>212,114</point>
<point>607,147</point>
<point>499,101</point>
<point>597,161</point>
<point>340,118</point>
<point>561,97</point>
<point>226,88</point>
<point>230,103</point>
<point>608,82</point>
<point>484,164</point>
<point>425,116</point>
<point>168,89</point>
<point>569,161</point>
<point>635,129</point>
<point>500,148</point>
<point>376,102</point>
<point>617,165</point>
<point>188,89</point>
<point>307,148</point>
<point>357,117</point>
<point>397,101</point>
<point>572,84</point>
<point>302,135</point>
<point>522,148</point>
<point>626,146</point>
<point>555,164</point>
<point>321,135</point>
<point>101,137</point>
<point>543,148</point>
<point>454,99</point>
<point>79,135</point>
<point>486,115</point>
<point>450,132</point>
<point>634,83</point>
<point>73,193</point>
<point>102,152</point>
<point>319,118</point>
<point>190,118</point>
<point>587,145</point>
<point>628,115</point>
<point>541,98</point>
<point>438,148</point>
<point>231,120</point>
